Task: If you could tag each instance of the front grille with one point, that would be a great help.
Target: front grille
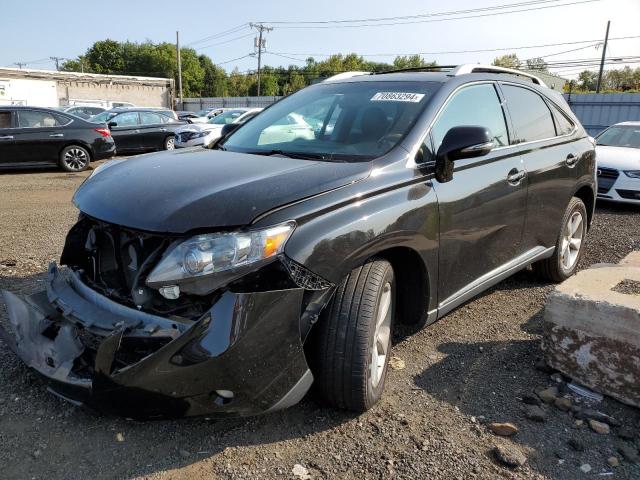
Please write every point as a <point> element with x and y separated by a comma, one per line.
<point>606,178</point>
<point>629,194</point>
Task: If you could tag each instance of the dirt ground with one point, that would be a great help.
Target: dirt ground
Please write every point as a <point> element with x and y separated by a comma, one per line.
<point>473,367</point>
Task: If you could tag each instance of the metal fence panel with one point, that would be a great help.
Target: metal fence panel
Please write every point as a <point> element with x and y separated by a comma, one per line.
<point>195,104</point>
<point>597,111</point>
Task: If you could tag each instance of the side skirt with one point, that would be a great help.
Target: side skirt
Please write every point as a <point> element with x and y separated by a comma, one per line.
<point>493,277</point>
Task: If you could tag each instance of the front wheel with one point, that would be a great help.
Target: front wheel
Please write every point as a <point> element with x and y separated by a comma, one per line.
<point>74,159</point>
<point>169,143</point>
<point>353,341</point>
<point>568,252</point>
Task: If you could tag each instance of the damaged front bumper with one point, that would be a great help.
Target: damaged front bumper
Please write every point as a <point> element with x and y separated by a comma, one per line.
<point>242,357</point>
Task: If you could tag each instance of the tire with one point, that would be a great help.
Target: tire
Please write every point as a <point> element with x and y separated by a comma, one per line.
<point>169,143</point>
<point>343,348</point>
<point>74,158</point>
<point>568,252</point>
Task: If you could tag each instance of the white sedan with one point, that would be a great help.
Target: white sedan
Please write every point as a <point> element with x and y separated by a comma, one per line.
<point>618,159</point>
<point>204,133</point>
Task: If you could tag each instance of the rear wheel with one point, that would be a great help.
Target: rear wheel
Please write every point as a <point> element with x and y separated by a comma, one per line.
<point>169,143</point>
<point>566,257</point>
<point>353,340</point>
<point>74,158</point>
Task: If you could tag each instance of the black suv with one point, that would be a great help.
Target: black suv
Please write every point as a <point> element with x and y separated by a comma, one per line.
<point>32,136</point>
<point>227,281</point>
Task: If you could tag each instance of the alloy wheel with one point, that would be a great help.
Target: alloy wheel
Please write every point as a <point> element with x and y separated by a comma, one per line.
<point>76,159</point>
<point>381,336</point>
<point>170,144</point>
<point>572,240</point>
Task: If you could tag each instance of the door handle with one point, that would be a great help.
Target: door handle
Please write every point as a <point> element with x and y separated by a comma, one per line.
<point>7,137</point>
<point>571,160</point>
<point>515,176</point>
<point>57,135</point>
<point>163,129</point>
<point>136,131</point>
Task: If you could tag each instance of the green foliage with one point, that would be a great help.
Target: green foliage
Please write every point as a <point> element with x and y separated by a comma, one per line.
<point>508,61</point>
<point>621,80</point>
<point>537,64</point>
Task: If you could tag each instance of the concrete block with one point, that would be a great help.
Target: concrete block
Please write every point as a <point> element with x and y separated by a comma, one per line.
<point>592,329</point>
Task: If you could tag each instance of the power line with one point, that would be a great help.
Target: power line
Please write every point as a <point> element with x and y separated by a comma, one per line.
<point>225,42</point>
<point>432,20</point>
<point>234,59</point>
<point>447,52</point>
<point>235,29</point>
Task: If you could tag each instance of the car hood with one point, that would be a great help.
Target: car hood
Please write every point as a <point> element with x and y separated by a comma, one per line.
<point>199,127</point>
<point>620,158</point>
<point>179,191</point>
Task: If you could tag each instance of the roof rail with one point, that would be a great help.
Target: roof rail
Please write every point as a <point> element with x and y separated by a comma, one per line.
<point>479,68</point>
<point>343,75</point>
<point>426,68</point>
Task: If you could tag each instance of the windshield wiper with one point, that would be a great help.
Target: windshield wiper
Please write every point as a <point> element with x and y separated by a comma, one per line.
<point>299,155</point>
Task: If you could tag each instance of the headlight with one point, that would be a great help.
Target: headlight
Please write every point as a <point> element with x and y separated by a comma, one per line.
<point>220,252</point>
<point>201,134</point>
<point>632,173</point>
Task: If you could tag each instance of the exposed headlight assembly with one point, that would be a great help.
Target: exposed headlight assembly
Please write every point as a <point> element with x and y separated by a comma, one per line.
<point>632,173</point>
<point>204,133</point>
<point>219,253</point>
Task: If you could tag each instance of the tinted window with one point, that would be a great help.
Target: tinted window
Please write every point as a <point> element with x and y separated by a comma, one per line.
<point>476,105</point>
<point>62,119</point>
<point>530,115</point>
<point>5,119</point>
<point>34,119</point>
<point>126,119</point>
<point>564,126</point>
<point>150,118</point>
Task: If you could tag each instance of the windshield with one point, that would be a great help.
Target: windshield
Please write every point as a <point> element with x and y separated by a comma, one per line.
<point>336,121</point>
<point>226,117</point>
<point>103,117</point>
<point>620,136</point>
<point>202,113</point>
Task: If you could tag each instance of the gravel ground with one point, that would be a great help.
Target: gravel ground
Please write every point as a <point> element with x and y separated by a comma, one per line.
<point>471,368</point>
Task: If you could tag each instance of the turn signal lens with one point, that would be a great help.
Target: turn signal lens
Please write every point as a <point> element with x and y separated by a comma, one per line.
<point>103,131</point>
<point>632,173</point>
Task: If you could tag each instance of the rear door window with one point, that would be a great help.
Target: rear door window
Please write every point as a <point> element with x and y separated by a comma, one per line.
<point>151,118</point>
<point>35,119</point>
<point>476,105</point>
<point>128,119</point>
<point>530,115</point>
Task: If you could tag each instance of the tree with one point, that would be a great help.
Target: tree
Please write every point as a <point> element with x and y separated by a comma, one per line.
<point>508,61</point>
<point>411,61</point>
<point>215,78</point>
<point>587,80</point>
<point>537,64</point>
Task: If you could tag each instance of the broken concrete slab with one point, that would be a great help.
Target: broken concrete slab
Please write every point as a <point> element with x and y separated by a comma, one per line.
<point>592,329</point>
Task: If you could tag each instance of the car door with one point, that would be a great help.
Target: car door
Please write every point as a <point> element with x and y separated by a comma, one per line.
<point>549,159</point>
<point>7,138</point>
<point>153,130</point>
<point>126,131</point>
<point>39,136</point>
<point>482,209</point>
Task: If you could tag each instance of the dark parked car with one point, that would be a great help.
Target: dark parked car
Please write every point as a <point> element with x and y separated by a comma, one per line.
<point>139,129</point>
<point>227,281</point>
<point>31,136</point>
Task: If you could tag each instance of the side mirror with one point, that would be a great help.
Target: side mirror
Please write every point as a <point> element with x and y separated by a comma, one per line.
<point>112,124</point>
<point>228,129</point>
<point>466,141</point>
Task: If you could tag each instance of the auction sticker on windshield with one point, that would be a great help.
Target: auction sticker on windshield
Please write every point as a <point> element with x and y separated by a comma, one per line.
<point>397,97</point>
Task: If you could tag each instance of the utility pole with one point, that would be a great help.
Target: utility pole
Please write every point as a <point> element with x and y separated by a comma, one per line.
<point>604,51</point>
<point>179,67</point>
<point>260,44</point>
<point>57,60</point>
<point>20,65</point>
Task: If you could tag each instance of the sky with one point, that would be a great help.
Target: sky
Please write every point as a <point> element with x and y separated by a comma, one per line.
<point>66,28</point>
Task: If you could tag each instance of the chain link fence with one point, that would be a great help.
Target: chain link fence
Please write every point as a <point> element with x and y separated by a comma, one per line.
<point>195,104</point>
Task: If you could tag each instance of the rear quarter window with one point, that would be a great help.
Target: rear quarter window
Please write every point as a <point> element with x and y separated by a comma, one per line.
<point>5,119</point>
<point>530,115</point>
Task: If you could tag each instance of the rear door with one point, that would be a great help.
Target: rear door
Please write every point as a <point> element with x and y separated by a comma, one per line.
<point>7,137</point>
<point>153,130</point>
<point>126,132</point>
<point>482,209</point>
<point>550,157</point>
<point>39,136</point>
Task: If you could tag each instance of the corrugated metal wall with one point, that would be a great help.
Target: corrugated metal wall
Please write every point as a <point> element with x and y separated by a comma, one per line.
<point>597,111</point>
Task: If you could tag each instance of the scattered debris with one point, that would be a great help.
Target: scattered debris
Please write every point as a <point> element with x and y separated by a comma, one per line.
<point>397,363</point>
<point>599,427</point>
<point>585,467</point>
<point>503,429</point>
<point>613,461</point>
<point>563,404</point>
<point>535,413</point>
<point>629,453</point>
<point>586,393</point>
<point>548,395</point>
<point>119,437</point>
<point>301,472</point>
<point>509,456</point>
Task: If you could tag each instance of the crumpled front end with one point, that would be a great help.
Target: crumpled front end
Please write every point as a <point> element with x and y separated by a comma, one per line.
<point>242,356</point>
